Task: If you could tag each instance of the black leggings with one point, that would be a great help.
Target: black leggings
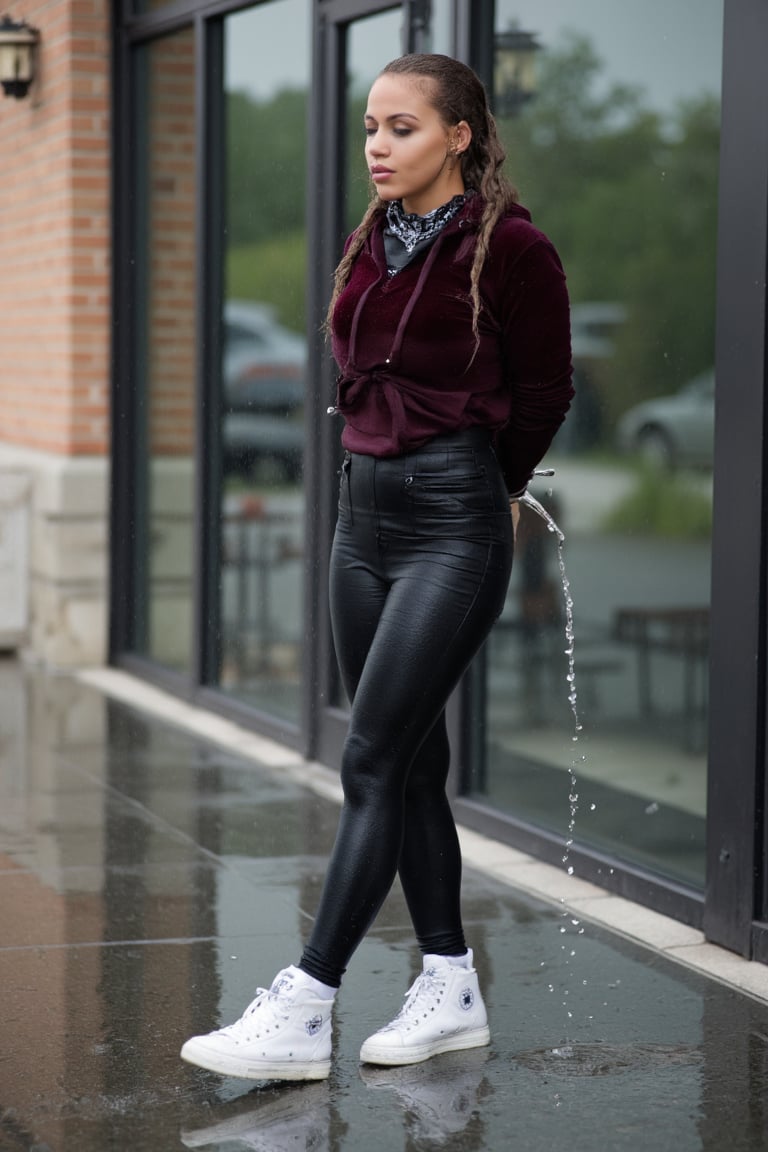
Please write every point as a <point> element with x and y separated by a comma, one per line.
<point>419,572</point>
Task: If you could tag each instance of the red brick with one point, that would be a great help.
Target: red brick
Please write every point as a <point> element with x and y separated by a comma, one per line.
<point>54,204</point>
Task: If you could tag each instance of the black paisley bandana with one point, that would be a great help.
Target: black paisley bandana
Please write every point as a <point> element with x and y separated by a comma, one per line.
<point>412,230</point>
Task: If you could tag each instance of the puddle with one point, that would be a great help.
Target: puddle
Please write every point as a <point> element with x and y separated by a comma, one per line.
<point>607,1059</point>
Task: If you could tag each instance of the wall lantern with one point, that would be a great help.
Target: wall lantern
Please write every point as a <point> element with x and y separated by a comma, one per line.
<point>514,70</point>
<point>17,56</point>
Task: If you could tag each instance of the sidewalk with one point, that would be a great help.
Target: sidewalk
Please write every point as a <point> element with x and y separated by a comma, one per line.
<point>156,864</point>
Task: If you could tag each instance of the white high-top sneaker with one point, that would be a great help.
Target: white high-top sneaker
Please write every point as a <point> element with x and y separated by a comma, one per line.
<point>284,1034</point>
<point>443,1012</point>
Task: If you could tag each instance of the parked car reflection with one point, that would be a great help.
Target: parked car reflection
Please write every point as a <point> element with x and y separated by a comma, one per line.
<point>595,327</point>
<point>673,431</point>
<point>263,378</point>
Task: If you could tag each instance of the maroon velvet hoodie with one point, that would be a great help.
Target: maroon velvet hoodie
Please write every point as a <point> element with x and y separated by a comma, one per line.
<point>406,350</point>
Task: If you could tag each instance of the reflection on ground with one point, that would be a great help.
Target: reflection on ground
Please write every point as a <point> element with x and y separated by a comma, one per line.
<point>149,881</point>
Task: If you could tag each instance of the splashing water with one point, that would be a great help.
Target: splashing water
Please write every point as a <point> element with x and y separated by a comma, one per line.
<point>534,505</point>
<point>573,795</point>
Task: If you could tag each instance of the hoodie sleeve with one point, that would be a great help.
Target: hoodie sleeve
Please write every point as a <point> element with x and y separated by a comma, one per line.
<point>534,315</point>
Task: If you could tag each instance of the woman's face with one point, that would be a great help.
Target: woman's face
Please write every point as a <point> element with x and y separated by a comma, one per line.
<point>408,147</point>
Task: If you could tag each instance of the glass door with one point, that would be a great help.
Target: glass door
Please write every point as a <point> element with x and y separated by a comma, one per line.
<point>615,148</point>
<point>260,359</point>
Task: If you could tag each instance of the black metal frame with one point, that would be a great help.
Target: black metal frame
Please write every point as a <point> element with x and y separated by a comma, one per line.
<point>328,138</point>
<point>736,857</point>
<point>210,149</point>
<point>122,414</point>
<point>733,910</point>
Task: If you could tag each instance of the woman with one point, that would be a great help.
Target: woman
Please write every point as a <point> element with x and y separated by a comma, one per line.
<point>449,322</point>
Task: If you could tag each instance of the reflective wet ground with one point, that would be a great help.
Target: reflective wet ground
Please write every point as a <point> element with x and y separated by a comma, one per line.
<point>149,882</point>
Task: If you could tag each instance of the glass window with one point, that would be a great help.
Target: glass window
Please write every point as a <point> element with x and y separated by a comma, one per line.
<point>612,129</point>
<point>263,357</point>
<point>371,43</point>
<point>164,353</point>
<point>440,28</point>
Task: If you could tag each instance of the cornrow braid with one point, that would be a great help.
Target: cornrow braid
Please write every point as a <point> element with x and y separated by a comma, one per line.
<point>457,94</point>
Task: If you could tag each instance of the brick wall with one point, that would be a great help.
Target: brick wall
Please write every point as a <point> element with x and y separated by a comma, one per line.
<point>55,330</point>
<point>168,295</point>
<point>54,240</point>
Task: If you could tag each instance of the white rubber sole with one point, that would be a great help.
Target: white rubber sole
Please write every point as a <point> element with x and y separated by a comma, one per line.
<point>376,1052</point>
<point>224,1065</point>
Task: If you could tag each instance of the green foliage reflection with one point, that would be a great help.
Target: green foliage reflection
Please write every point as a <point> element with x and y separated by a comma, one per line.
<point>662,504</point>
<point>630,200</point>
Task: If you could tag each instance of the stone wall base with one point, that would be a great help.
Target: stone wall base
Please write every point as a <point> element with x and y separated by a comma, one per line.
<point>66,509</point>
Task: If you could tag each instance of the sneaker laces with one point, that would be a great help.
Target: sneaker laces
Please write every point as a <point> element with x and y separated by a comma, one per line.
<point>269,1008</point>
<point>420,998</point>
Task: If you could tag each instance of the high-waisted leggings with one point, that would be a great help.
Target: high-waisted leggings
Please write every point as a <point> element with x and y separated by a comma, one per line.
<point>420,566</point>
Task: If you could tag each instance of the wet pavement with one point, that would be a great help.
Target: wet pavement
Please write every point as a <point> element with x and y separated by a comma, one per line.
<point>149,881</point>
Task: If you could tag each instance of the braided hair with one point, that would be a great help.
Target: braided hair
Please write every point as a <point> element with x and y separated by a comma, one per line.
<point>457,94</point>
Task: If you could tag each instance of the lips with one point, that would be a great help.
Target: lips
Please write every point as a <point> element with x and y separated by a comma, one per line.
<point>378,172</point>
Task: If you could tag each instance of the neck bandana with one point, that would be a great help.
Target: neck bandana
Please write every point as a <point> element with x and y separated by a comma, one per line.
<point>411,229</point>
